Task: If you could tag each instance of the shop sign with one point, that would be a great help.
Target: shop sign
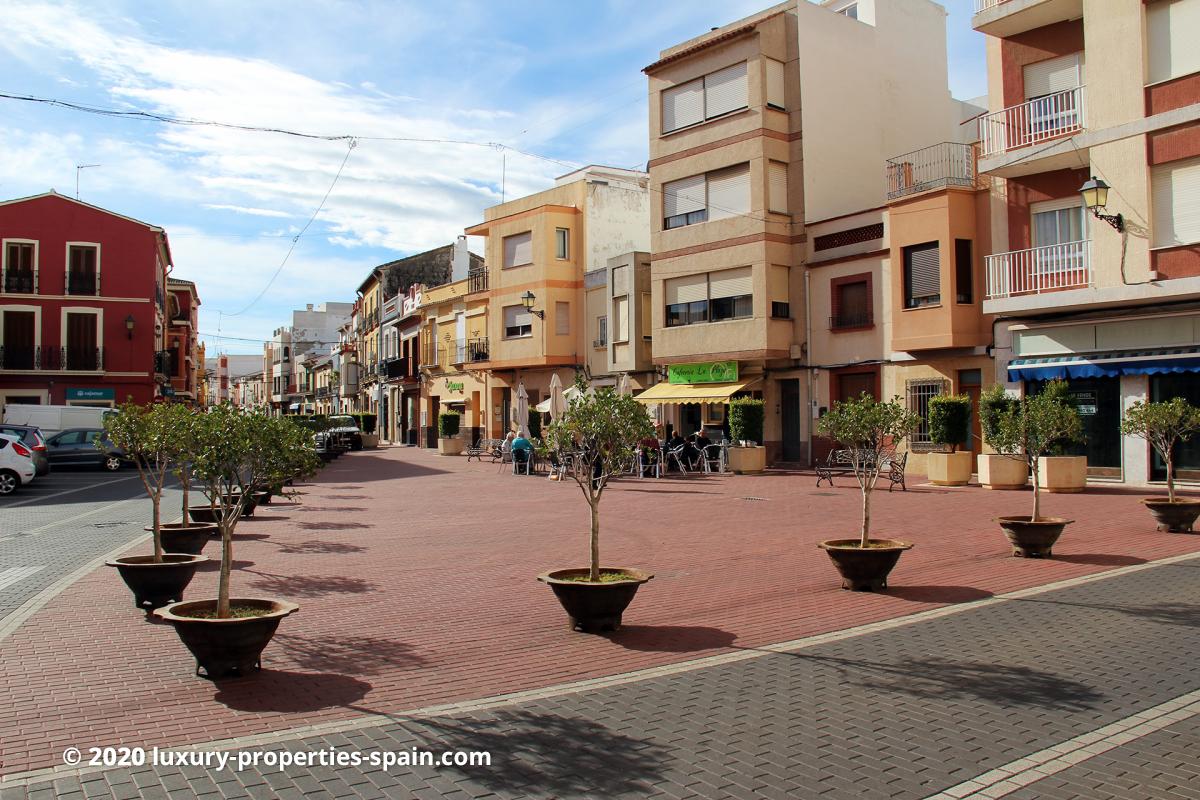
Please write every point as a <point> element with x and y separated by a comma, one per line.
<point>1085,403</point>
<point>91,394</point>
<point>704,372</point>
<point>453,386</point>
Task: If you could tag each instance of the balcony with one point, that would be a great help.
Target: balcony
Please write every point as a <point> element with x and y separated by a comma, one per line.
<point>28,358</point>
<point>322,391</point>
<point>477,350</point>
<point>1038,270</point>
<point>934,167</point>
<point>1031,123</point>
<point>848,321</point>
<point>163,363</point>
<point>431,355</point>
<point>1003,18</point>
<point>395,368</point>
<point>19,283</point>
<point>83,283</point>
<point>477,281</point>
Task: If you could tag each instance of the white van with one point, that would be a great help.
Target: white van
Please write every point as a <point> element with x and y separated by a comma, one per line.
<point>52,419</point>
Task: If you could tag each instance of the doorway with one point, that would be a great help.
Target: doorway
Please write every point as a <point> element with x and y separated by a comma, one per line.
<point>1186,457</point>
<point>970,382</point>
<point>789,409</point>
<point>1098,401</point>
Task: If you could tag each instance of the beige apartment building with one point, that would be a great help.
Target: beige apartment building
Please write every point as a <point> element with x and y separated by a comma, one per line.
<point>537,252</point>
<point>619,313</point>
<point>1103,90</point>
<point>453,340</point>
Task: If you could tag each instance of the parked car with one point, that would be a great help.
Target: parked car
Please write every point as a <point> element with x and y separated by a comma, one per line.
<point>52,419</point>
<point>16,464</point>
<point>31,437</point>
<point>76,446</point>
<point>344,427</point>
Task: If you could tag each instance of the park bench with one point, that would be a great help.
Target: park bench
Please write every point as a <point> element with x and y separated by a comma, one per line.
<point>840,462</point>
<point>485,447</point>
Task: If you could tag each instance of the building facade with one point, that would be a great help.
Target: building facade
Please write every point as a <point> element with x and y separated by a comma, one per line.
<point>186,364</point>
<point>453,344</point>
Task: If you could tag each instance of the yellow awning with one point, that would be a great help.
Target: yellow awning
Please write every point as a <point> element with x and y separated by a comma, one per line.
<point>692,392</point>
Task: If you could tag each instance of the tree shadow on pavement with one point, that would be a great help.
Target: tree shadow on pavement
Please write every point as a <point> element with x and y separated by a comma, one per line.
<point>334,526</point>
<point>671,638</point>
<point>937,594</point>
<point>308,585</point>
<point>1167,613</point>
<point>319,547</point>
<point>289,692</point>
<point>214,564</point>
<point>338,509</point>
<point>547,755</point>
<point>1099,559</point>
<point>353,655</point>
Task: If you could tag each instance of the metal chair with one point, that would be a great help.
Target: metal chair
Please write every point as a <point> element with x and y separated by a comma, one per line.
<point>713,455</point>
<point>649,459</point>
<point>677,456</point>
<point>522,459</point>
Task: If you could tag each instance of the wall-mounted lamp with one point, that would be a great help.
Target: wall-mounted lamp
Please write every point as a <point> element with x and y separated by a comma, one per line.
<point>129,325</point>
<point>528,300</point>
<point>1095,197</point>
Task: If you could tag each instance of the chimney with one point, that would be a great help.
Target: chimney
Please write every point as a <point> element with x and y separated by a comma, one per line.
<point>308,307</point>
<point>461,261</point>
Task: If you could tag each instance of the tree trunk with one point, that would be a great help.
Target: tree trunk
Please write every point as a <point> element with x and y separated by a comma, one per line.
<point>156,526</point>
<point>226,564</point>
<point>594,575</point>
<point>1037,495</point>
<point>186,484</point>
<point>1170,475</point>
<point>866,523</point>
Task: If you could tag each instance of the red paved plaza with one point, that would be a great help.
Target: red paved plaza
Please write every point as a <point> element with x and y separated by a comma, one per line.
<point>415,576</point>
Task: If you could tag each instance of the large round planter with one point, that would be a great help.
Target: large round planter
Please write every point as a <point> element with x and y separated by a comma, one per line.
<point>156,584</point>
<point>747,460</point>
<point>864,569</point>
<point>594,607</point>
<point>179,537</point>
<point>1002,472</point>
<point>950,469</point>
<point>1062,474</point>
<point>210,515</point>
<point>1033,539</point>
<point>226,647</point>
<point>1177,517</point>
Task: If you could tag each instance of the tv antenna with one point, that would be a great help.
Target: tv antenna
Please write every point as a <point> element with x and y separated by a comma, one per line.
<point>79,168</point>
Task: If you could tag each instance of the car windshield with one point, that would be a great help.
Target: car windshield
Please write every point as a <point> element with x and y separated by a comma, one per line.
<point>342,422</point>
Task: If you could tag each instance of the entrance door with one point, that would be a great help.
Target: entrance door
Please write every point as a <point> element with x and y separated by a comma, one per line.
<point>1187,455</point>
<point>1099,403</point>
<point>852,384</point>
<point>969,383</point>
<point>507,414</point>
<point>18,349</point>
<point>789,408</point>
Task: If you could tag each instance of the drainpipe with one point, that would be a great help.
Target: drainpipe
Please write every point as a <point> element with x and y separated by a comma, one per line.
<point>808,417</point>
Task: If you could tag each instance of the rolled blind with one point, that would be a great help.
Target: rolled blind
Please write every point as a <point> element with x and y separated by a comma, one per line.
<point>775,93</point>
<point>730,283</point>
<point>1171,27</point>
<point>924,271</point>
<point>621,319</point>
<point>620,281</point>
<point>725,90</point>
<point>683,105</point>
<point>777,186</point>
<point>687,289</point>
<point>516,315</point>
<point>562,318</point>
<point>729,192</point>
<point>683,196</point>
<point>518,249</point>
<point>1175,192</point>
<point>1054,75</point>
<point>778,283</point>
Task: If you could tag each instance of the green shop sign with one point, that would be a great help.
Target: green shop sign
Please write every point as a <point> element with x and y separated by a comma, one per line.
<point>705,372</point>
<point>91,394</point>
<point>453,387</point>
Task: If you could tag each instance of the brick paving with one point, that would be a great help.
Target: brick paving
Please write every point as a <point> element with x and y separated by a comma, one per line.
<point>415,577</point>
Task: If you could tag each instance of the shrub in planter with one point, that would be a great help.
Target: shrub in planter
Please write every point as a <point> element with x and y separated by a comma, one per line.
<point>949,426</point>
<point>601,429</point>
<point>1030,428</point>
<point>448,427</point>
<point>746,430</point>
<point>869,430</point>
<point>998,470</point>
<point>1165,425</point>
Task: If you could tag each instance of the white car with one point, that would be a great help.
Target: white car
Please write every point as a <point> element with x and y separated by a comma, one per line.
<point>16,464</point>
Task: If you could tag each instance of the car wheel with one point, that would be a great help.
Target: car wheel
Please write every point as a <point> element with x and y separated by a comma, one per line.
<point>112,463</point>
<point>9,481</point>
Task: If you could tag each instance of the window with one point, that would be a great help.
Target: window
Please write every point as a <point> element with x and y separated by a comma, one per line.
<point>1171,27</point>
<point>82,263</point>
<point>686,300</point>
<point>851,301</point>
<point>1050,110</point>
<point>918,393</point>
<point>1175,193</point>
<point>562,243</point>
<point>20,267</point>
<point>287,353</point>
<point>621,319</point>
<point>850,11</point>
<point>714,95</point>
<point>715,195</point>
<point>964,272</point>
<point>518,250</point>
<point>601,332</point>
<point>644,324</point>
<point>730,294</point>
<point>729,192</point>
<point>1058,227</point>
<point>562,319</point>
<point>922,275</point>
<point>777,193</point>
<point>775,84</point>
<point>684,202</point>
<point>81,340</point>
<point>781,310</point>
<point>518,322</point>
<point>779,291</point>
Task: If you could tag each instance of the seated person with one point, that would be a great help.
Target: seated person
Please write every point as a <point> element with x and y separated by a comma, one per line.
<point>522,449</point>
<point>691,452</point>
<point>506,445</point>
<point>702,440</point>
<point>650,453</point>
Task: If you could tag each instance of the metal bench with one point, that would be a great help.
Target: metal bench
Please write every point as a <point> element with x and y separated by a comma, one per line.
<point>840,462</point>
<point>484,447</point>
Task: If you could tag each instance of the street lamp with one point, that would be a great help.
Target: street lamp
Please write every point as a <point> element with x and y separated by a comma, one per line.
<point>528,300</point>
<point>129,325</point>
<point>1095,197</point>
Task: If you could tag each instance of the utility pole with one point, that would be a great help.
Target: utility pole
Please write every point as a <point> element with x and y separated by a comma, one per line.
<point>78,169</point>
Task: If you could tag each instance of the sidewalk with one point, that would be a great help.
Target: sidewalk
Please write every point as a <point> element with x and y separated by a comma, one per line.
<point>415,577</point>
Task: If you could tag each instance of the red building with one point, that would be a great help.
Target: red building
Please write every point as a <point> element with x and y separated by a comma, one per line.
<point>82,304</point>
<point>183,308</point>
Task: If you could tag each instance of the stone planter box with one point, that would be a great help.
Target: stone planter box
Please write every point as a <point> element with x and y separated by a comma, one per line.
<point>950,469</point>
<point>450,447</point>
<point>370,440</point>
<point>747,460</point>
<point>1062,474</point>
<point>1002,472</point>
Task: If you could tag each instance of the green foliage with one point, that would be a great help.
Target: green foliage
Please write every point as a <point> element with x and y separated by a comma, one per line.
<point>746,420</point>
<point>950,419</point>
<point>1164,425</point>
<point>993,403</point>
<point>535,423</point>
<point>448,424</point>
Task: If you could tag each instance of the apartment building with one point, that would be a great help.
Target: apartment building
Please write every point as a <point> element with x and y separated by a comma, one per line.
<point>453,337</point>
<point>1092,142</point>
<point>619,317</point>
<point>183,314</point>
<point>227,368</point>
<point>278,374</point>
<point>368,308</point>
<point>770,259</point>
<point>538,249</point>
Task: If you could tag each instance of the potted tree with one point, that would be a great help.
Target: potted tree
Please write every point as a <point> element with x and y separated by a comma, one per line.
<point>601,431</point>
<point>146,436</point>
<point>1164,425</point>
<point>187,535</point>
<point>747,456</point>
<point>1058,472</point>
<point>449,443</point>
<point>1028,429</point>
<point>871,431</point>
<point>236,451</point>
<point>998,470</point>
<point>950,426</point>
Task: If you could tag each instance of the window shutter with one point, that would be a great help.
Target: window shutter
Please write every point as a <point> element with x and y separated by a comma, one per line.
<point>775,93</point>
<point>516,315</point>
<point>725,90</point>
<point>683,196</point>
<point>730,283</point>
<point>1171,27</point>
<point>778,289</point>
<point>620,281</point>
<point>683,105</point>
<point>924,271</point>
<point>1175,192</point>
<point>1053,75</point>
<point>729,192</point>
<point>518,249</point>
<point>621,319</point>
<point>777,186</point>
<point>562,318</point>
<point>688,289</point>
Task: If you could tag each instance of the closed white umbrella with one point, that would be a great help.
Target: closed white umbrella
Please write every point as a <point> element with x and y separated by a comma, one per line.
<point>522,410</point>
<point>623,386</point>
<point>558,402</point>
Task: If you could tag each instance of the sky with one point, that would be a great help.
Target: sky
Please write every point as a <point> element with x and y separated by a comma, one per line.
<point>558,85</point>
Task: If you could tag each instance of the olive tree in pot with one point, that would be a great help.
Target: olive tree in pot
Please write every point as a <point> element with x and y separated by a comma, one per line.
<point>747,456</point>
<point>236,451</point>
<point>1027,430</point>
<point>1164,425</point>
<point>998,470</point>
<point>870,430</point>
<point>950,427</point>
<point>601,430</point>
<point>449,443</point>
<point>145,433</point>
<point>187,535</point>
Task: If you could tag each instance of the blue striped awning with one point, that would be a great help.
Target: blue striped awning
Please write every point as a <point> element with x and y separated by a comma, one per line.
<point>1106,365</point>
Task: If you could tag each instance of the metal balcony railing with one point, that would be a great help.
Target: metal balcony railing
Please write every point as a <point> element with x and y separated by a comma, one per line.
<point>83,359</point>
<point>984,5</point>
<point>477,281</point>
<point>1039,269</point>
<point>477,349</point>
<point>847,320</point>
<point>1037,120</point>
<point>19,282</point>
<point>18,357</point>
<point>933,167</point>
<point>84,283</point>
<point>395,368</point>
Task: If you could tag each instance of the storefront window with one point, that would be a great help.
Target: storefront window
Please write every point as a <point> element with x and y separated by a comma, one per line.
<point>1187,455</point>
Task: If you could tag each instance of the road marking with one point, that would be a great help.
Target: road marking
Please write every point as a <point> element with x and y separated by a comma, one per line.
<point>10,576</point>
<point>57,523</point>
<point>44,497</point>
<point>1018,774</point>
<point>380,719</point>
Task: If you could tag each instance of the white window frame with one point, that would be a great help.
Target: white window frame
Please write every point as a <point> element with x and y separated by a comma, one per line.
<point>504,323</point>
<point>4,243</point>
<point>562,236</point>
<point>98,313</point>
<point>37,323</point>
<point>1048,264</point>
<point>67,268</point>
<point>601,331</point>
